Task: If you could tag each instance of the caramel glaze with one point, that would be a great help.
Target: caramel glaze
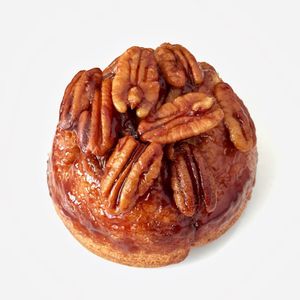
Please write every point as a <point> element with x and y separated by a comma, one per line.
<point>154,224</point>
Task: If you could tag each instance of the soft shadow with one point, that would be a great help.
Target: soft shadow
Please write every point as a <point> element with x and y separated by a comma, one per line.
<point>211,248</point>
<point>266,171</point>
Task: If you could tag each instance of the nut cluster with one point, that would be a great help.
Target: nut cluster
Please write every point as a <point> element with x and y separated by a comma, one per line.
<point>143,109</point>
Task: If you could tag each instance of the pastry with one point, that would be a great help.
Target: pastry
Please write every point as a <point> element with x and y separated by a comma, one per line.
<point>151,156</point>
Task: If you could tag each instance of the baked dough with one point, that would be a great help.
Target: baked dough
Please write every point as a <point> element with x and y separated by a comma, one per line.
<point>152,156</point>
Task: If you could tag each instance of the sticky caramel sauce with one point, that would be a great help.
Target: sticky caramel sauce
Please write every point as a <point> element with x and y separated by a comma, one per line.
<point>154,224</point>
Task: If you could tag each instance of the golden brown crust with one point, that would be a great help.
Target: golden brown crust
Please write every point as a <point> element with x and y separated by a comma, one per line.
<point>142,187</point>
<point>107,251</point>
<point>160,257</point>
<point>142,258</point>
<point>152,256</point>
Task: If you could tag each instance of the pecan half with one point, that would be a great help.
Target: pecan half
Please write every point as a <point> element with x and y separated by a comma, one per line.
<point>136,81</point>
<point>111,69</point>
<point>211,78</point>
<point>192,181</point>
<point>87,108</point>
<point>78,96</point>
<point>176,64</point>
<point>96,132</point>
<point>186,116</point>
<point>129,173</point>
<point>236,118</point>
<point>173,94</point>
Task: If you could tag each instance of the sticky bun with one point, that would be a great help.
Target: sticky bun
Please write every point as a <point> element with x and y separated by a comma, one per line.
<point>152,156</point>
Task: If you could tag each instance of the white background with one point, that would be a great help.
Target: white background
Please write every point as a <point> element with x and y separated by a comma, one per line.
<point>255,47</point>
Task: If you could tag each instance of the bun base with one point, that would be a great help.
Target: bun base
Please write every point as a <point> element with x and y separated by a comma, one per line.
<point>208,233</point>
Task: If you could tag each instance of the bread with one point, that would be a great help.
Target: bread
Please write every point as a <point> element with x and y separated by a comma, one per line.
<point>152,156</point>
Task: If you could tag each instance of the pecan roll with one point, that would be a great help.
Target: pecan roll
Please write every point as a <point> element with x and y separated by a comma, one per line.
<point>152,156</point>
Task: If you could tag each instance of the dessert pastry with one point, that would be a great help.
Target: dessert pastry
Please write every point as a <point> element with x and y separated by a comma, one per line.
<point>152,156</point>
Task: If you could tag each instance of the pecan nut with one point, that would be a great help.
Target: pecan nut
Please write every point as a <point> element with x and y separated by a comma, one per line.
<point>211,78</point>
<point>187,116</point>
<point>162,97</point>
<point>173,93</point>
<point>129,173</point>
<point>87,108</point>
<point>95,131</point>
<point>191,181</point>
<point>176,64</point>
<point>136,81</point>
<point>236,118</point>
<point>78,96</point>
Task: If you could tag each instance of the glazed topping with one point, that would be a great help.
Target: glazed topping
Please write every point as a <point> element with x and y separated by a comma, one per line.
<point>135,83</point>
<point>191,180</point>
<point>129,173</point>
<point>186,116</point>
<point>148,103</point>
<point>237,119</point>
<point>87,108</point>
<point>78,96</point>
<point>177,65</point>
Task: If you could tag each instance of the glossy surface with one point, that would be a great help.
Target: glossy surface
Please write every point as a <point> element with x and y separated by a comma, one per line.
<point>74,181</point>
<point>142,194</point>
